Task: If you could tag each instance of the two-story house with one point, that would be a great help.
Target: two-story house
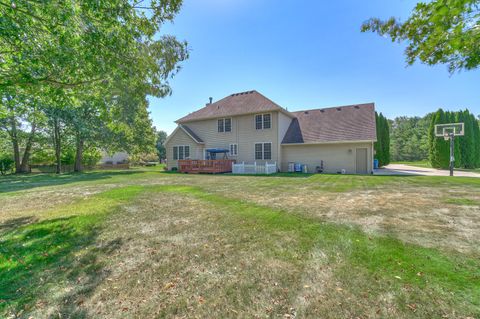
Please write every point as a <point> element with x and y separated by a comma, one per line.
<point>255,129</point>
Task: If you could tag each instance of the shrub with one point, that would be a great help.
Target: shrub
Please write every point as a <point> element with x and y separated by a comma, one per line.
<point>6,164</point>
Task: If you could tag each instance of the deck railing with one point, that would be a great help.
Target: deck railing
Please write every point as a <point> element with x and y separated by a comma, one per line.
<point>267,168</point>
<point>205,166</point>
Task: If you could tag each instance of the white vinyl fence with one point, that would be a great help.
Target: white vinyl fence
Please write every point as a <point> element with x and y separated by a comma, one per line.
<point>254,168</point>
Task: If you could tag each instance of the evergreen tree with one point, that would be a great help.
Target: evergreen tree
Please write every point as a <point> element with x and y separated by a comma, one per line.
<point>386,141</point>
<point>466,142</point>
<point>439,148</point>
<point>476,142</point>
<point>382,145</point>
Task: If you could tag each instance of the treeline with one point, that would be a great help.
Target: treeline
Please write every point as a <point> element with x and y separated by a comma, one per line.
<point>75,79</point>
<point>412,139</point>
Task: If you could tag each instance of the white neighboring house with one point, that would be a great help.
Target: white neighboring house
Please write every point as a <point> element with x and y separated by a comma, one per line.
<point>115,158</point>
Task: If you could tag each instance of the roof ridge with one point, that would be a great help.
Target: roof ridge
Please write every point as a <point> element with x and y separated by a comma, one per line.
<point>335,107</point>
<point>284,109</point>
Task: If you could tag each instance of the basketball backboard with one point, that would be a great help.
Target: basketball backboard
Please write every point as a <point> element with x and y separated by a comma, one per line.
<point>445,130</point>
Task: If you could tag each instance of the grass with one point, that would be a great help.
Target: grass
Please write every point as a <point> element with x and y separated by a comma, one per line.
<point>422,163</point>
<point>149,244</point>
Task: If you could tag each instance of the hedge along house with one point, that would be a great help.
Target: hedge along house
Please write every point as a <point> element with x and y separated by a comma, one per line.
<point>252,128</point>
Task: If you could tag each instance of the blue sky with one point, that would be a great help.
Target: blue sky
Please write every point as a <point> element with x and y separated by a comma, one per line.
<point>304,54</point>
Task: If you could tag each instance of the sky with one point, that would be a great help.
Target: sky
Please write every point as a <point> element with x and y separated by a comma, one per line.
<point>304,55</point>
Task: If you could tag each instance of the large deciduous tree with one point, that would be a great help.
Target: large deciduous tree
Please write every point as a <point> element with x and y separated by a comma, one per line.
<point>160,145</point>
<point>105,56</point>
<point>437,32</point>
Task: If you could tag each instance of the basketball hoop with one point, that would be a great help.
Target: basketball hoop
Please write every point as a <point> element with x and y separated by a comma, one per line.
<point>449,131</point>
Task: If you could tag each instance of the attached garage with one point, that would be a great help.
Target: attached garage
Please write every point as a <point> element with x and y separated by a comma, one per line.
<point>341,137</point>
<point>354,158</point>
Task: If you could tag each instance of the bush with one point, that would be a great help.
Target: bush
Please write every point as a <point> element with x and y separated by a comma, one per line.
<point>6,164</point>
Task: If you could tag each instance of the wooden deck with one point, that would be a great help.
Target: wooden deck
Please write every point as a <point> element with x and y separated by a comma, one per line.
<point>206,166</point>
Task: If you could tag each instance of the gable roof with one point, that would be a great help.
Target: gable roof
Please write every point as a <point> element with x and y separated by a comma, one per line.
<point>336,124</point>
<point>235,104</point>
<point>187,131</point>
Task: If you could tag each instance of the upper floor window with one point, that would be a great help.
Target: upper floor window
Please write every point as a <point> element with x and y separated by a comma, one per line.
<point>225,125</point>
<point>263,121</point>
<point>263,151</point>
<point>181,152</point>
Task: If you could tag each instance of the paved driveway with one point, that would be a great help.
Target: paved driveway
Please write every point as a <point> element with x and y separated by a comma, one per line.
<point>402,169</point>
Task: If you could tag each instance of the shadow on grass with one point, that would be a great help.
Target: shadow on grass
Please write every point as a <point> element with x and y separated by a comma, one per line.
<point>14,183</point>
<point>50,265</point>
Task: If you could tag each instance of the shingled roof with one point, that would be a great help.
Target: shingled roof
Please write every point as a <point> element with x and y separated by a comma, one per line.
<point>336,124</point>
<point>235,104</point>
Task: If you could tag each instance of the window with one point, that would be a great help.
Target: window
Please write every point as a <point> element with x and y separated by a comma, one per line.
<point>263,151</point>
<point>228,125</point>
<point>267,151</point>
<point>233,149</point>
<point>221,126</point>
<point>224,125</point>
<point>181,152</point>
<point>267,122</point>
<point>258,151</point>
<point>258,122</point>
<point>263,121</point>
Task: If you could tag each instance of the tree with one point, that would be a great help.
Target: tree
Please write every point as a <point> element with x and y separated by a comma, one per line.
<point>476,134</point>
<point>439,148</point>
<point>437,32</point>
<point>101,58</point>
<point>409,138</point>
<point>160,145</point>
<point>21,119</point>
<point>382,145</point>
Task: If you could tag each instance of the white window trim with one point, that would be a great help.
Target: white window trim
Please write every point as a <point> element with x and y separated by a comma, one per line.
<point>178,152</point>
<point>263,121</point>
<point>263,151</point>
<point>235,148</point>
<point>223,121</point>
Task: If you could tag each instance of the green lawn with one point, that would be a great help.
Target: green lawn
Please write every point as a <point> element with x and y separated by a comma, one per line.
<point>145,243</point>
<point>423,163</point>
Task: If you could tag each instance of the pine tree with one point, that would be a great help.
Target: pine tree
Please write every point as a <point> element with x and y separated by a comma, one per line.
<point>439,148</point>
<point>452,118</point>
<point>382,145</point>
<point>386,141</point>
<point>468,154</point>
<point>432,154</point>
<point>476,142</point>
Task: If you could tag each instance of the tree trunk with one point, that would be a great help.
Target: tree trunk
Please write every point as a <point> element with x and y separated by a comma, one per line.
<point>57,145</point>
<point>79,155</point>
<point>28,148</point>
<point>16,150</point>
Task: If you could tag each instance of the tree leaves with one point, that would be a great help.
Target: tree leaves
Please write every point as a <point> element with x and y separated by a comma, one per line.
<point>437,32</point>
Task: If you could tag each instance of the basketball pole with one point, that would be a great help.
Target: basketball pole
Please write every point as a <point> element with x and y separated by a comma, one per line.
<point>452,152</point>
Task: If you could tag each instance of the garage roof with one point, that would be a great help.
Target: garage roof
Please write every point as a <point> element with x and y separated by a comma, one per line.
<point>335,124</point>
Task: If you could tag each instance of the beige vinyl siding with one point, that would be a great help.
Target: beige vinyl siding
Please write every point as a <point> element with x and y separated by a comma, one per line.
<point>335,157</point>
<point>283,124</point>
<point>243,133</point>
<point>179,138</point>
